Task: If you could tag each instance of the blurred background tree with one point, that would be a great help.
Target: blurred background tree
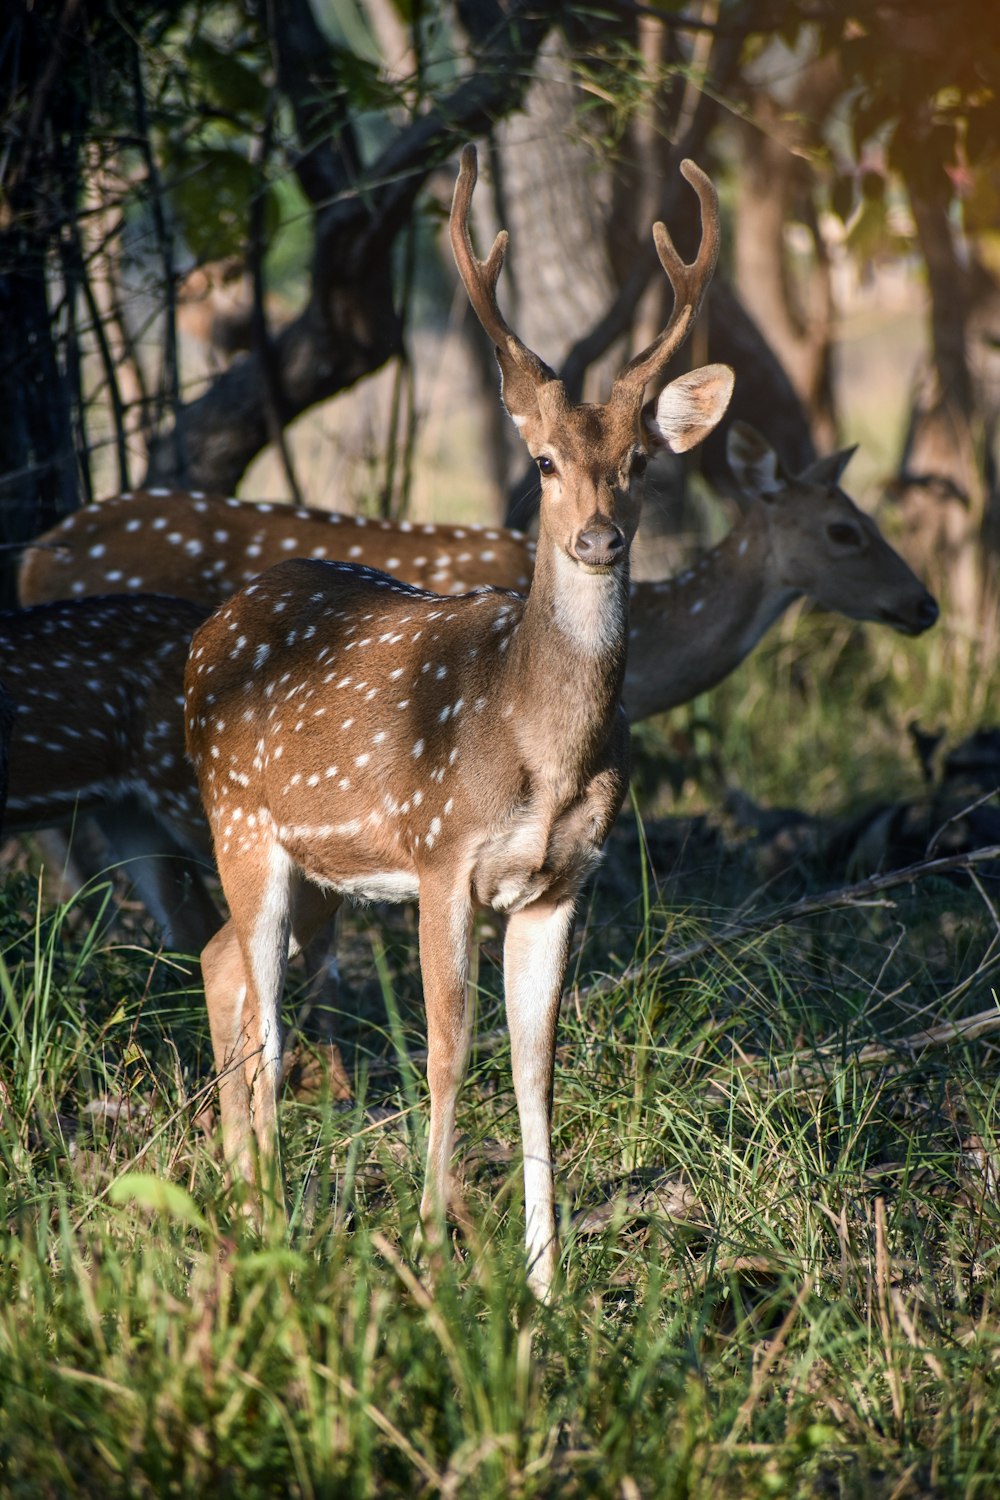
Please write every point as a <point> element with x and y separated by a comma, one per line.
<point>215,217</point>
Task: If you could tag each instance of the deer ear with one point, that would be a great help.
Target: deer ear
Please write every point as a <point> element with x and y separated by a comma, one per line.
<point>519,389</point>
<point>828,470</point>
<point>517,394</point>
<point>688,409</point>
<point>753,461</point>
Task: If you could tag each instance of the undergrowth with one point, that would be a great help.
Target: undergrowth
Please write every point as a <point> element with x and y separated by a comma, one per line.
<point>778,1168</point>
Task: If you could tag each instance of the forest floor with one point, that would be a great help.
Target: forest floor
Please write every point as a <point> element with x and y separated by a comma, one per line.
<point>776,1131</point>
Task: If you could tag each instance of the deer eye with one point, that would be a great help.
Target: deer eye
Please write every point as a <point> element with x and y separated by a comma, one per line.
<point>545,465</point>
<point>843,534</point>
<point>640,463</point>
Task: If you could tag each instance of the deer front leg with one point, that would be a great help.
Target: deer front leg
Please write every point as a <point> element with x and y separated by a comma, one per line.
<point>445,931</point>
<point>535,953</point>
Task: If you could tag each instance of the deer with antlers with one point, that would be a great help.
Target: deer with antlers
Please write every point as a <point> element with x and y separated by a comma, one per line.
<point>354,736</point>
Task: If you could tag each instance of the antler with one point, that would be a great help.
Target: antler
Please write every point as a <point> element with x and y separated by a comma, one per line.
<point>480,277</point>
<point>689,282</point>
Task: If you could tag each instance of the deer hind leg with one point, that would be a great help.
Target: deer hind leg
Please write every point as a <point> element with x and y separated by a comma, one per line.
<point>536,949</point>
<point>311,1060</point>
<point>445,932</point>
<point>168,879</point>
<point>314,935</point>
<point>244,967</point>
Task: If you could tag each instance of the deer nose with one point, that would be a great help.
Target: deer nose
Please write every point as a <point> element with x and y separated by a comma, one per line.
<point>927,612</point>
<point>599,546</point>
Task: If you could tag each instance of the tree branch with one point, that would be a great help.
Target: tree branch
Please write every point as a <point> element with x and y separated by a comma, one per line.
<point>349,326</point>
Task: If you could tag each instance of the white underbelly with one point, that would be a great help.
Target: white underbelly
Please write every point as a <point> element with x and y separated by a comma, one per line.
<point>385,885</point>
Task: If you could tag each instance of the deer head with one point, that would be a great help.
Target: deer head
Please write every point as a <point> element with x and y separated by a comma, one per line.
<point>821,544</point>
<point>590,458</point>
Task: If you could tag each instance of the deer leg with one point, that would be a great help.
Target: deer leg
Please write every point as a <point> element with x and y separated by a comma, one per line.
<point>445,933</point>
<point>536,949</point>
<point>314,935</point>
<point>225,996</point>
<point>167,879</point>
<point>244,967</point>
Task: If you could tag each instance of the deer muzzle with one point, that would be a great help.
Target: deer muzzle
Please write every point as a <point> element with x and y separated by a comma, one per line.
<point>915,616</point>
<point>599,546</point>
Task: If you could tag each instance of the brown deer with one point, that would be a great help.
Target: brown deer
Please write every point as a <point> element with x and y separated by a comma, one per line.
<point>205,547</point>
<point>799,535</point>
<point>8,710</point>
<point>98,728</point>
<point>357,736</point>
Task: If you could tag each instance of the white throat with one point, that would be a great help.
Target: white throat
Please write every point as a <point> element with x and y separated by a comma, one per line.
<point>589,608</point>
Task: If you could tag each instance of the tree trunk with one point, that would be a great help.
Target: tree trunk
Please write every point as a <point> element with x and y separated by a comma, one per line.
<point>775,186</point>
<point>945,487</point>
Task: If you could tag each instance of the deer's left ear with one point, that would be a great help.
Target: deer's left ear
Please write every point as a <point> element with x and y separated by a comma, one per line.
<point>829,469</point>
<point>688,409</point>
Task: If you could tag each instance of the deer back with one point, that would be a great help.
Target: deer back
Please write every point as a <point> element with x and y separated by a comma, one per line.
<point>98,690</point>
<point>205,547</point>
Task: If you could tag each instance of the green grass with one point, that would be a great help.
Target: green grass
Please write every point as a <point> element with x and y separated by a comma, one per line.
<point>781,1219</point>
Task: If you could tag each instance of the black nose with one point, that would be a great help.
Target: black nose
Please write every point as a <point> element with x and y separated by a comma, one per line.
<point>599,546</point>
<point>927,612</point>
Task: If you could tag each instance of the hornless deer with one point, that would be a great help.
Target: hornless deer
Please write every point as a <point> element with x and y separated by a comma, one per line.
<point>98,728</point>
<point>205,547</point>
<point>356,736</point>
<point>7,713</point>
<point>800,534</point>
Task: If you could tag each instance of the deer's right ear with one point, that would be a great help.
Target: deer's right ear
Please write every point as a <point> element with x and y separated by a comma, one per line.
<point>690,407</point>
<point>753,461</point>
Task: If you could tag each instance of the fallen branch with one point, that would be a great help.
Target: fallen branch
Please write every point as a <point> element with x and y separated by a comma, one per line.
<point>861,893</point>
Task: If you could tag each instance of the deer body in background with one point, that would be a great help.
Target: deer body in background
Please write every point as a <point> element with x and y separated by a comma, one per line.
<point>98,728</point>
<point>355,736</point>
<point>8,712</point>
<point>205,547</point>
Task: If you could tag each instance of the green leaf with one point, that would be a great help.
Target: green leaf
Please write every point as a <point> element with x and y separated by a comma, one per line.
<point>276,1258</point>
<point>228,82</point>
<point>212,190</point>
<point>144,1190</point>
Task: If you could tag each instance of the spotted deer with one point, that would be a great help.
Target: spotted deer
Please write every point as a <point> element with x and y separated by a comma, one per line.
<point>205,547</point>
<point>8,710</point>
<point>355,736</point>
<point>97,686</point>
<point>799,535</point>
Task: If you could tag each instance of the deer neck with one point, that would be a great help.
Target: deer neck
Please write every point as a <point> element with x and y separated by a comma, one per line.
<point>689,632</point>
<point>567,656</point>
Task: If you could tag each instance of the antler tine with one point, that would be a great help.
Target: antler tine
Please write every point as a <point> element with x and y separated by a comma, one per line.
<point>480,277</point>
<point>689,281</point>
